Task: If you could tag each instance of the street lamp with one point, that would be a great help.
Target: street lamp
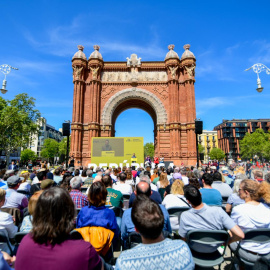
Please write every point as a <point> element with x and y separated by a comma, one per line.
<point>258,68</point>
<point>5,69</point>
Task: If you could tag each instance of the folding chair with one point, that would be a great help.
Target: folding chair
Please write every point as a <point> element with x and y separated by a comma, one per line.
<point>5,240</point>
<point>177,212</point>
<point>19,237</point>
<point>260,236</point>
<point>134,239</point>
<point>208,237</point>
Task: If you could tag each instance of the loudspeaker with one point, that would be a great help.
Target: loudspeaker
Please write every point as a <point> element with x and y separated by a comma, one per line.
<point>66,129</point>
<point>198,127</point>
<point>201,156</point>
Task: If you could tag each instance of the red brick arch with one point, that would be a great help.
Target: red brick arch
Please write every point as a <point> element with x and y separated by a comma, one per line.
<point>165,90</point>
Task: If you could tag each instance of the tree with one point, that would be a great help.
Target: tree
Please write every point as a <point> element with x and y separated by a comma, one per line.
<point>28,154</point>
<point>201,148</point>
<point>256,143</point>
<point>50,149</point>
<point>63,149</point>
<point>217,153</point>
<point>63,146</point>
<point>18,123</point>
<point>149,150</point>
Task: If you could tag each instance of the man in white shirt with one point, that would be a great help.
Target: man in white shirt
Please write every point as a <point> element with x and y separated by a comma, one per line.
<point>122,186</point>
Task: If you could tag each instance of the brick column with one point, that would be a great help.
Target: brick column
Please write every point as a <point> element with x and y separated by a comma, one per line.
<point>79,69</point>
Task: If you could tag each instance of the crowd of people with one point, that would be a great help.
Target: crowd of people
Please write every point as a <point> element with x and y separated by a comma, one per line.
<point>107,206</point>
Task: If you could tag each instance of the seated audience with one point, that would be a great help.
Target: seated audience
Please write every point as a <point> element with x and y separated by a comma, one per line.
<point>84,175</point>
<point>6,223</point>
<point>258,176</point>
<point>57,176</point>
<point>48,245</point>
<point>193,181</point>
<point>234,198</point>
<point>89,180</point>
<point>163,181</point>
<point>210,195</point>
<point>175,199</point>
<point>80,200</point>
<point>27,221</point>
<point>155,196</point>
<point>224,189</point>
<point>253,214</point>
<point>97,214</point>
<point>127,226</point>
<point>204,217</point>
<point>122,186</point>
<point>114,197</point>
<point>41,175</point>
<point>155,251</point>
<point>13,198</point>
<point>25,185</point>
<point>184,176</point>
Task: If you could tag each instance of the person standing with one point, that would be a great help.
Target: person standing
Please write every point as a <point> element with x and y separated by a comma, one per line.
<point>248,169</point>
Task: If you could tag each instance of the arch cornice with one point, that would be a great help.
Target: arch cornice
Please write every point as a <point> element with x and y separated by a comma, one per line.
<point>131,93</point>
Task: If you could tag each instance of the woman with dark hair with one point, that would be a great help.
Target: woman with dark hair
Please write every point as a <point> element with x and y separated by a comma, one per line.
<point>48,245</point>
<point>97,214</point>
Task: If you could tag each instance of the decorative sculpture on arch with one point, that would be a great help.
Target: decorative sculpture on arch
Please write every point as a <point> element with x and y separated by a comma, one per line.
<point>77,72</point>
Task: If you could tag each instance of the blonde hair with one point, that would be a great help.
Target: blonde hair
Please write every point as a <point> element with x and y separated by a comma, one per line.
<point>257,190</point>
<point>177,187</point>
<point>33,202</point>
<point>2,194</point>
<point>25,176</point>
<point>163,180</point>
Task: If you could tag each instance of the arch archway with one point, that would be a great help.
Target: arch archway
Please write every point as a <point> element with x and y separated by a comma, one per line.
<point>164,89</point>
<point>136,97</point>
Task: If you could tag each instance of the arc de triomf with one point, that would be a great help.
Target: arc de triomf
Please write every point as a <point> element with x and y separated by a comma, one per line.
<point>164,89</point>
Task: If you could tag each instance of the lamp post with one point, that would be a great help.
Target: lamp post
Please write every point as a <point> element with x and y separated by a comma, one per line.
<point>258,68</point>
<point>5,69</point>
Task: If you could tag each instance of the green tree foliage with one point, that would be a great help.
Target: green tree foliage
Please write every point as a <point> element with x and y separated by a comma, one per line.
<point>256,143</point>
<point>50,149</point>
<point>149,150</point>
<point>28,154</point>
<point>63,146</point>
<point>217,153</point>
<point>18,122</point>
<point>201,148</point>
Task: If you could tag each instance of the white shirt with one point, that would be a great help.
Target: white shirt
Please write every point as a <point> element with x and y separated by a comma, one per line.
<point>224,189</point>
<point>35,180</point>
<point>7,225</point>
<point>170,201</point>
<point>25,186</point>
<point>249,217</point>
<point>123,188</point>
<point>185,180</point>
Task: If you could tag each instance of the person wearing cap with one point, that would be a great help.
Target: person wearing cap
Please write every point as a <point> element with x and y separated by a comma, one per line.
<point>47,183</point>
<point>80,200</point>
<point>13,198</point>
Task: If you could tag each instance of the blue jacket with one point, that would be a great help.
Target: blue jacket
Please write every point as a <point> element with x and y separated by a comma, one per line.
<point>99,217</point>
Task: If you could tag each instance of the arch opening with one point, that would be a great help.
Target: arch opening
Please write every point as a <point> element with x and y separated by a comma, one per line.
<point>134,122</point>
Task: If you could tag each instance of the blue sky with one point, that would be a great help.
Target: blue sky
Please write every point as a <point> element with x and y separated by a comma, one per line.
<point>40,38</point>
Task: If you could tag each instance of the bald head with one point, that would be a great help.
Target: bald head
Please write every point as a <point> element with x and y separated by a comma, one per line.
<point>98,178</point>
<point>143,188</point>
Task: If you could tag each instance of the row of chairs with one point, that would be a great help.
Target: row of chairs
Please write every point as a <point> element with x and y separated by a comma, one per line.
<point>220,237</point>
